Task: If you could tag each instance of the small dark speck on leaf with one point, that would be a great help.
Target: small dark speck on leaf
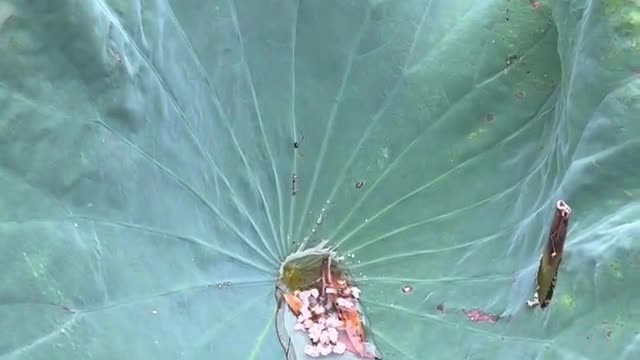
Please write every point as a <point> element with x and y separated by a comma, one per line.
<point>294,188</point>
<point>359,184</point>
<point>7,20</point>
<point>520,95</point>
<point>491,117</point>
<point>440,307</point>
<point>511,59</point>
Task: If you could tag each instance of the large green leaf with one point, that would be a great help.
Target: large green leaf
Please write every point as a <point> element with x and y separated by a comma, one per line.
<point>147,161</point>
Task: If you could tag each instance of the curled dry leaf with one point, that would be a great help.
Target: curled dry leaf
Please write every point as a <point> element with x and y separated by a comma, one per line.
<point>551,258</point>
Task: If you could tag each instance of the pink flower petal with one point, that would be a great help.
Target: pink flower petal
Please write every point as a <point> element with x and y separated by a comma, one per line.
<point>479,316</point>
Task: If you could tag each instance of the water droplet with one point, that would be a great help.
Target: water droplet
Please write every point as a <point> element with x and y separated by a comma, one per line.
<point>90,205</point>
<point>228,283</point>
<point>366,220</point>
<point>407,289</point>
<point>63,330</point>
<point>320,219</point>
<point>154,312</point>
<point>75,224</point>
<point>220,286</point>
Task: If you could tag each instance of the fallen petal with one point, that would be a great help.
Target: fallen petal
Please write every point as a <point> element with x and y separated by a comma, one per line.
<point>304,296</point>
<point>479,316</point>
<point>325,349</point>
<point>315,293</point>
<point>342,302</point>
<point>295,304</point>
<point>315,332</point>
<point>332,333</point>
<point>318,310</point>
<point>334,322</point>
<point>308,323</point>
<point>305,313</point>
<point>312,351</point>
<point>324,337</point>
<point>356,292</point>
<point>339,348</point>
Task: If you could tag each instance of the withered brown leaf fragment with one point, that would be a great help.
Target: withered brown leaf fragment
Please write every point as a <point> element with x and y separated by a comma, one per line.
<point>551,258</point>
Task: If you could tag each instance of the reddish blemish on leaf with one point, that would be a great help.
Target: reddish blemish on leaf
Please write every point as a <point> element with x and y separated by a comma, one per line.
<point>479,316</point>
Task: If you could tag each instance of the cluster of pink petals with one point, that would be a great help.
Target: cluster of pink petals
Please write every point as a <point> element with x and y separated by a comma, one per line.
<point>319,319</point>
